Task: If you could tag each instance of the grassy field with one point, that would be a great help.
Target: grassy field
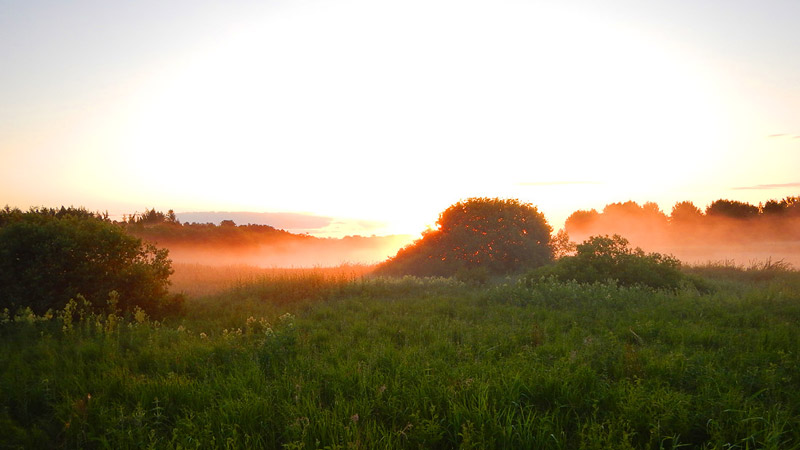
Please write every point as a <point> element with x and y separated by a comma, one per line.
<point>331,359</point>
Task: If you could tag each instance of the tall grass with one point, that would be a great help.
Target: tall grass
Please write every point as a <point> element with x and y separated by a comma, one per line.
<point>197,280</point>
<point>315,360</point>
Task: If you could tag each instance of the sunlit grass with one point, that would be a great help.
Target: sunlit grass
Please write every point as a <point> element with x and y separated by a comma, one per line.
<point>317,359</point>
<point>196,280</point>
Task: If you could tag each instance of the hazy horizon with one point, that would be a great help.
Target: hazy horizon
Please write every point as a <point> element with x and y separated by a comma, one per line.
<point>381,114</point>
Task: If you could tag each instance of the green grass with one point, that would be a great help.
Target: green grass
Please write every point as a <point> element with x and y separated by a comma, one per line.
<point>411,363</point>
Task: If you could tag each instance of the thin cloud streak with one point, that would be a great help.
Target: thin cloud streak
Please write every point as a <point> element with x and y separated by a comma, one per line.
<point>555,183</point>
<point>767,186</point>
<point>784,135</point>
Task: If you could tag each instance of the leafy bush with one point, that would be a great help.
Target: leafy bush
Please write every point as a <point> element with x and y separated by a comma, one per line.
<point>48,257</point>
<point>604,258</point>
<point>494,235</point>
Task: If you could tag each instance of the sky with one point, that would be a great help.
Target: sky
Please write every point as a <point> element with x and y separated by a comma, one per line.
<point>378,115</point>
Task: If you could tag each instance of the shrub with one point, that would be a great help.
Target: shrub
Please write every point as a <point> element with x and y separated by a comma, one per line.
<point>494,235</point>
<point>604,258</point>
<point>48,257</point>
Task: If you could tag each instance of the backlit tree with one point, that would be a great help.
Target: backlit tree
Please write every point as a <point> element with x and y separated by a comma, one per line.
<point>491,234</point>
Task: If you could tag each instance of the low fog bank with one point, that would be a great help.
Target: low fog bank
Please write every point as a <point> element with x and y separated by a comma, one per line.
<point>315,252</point>
<point>226,243</point>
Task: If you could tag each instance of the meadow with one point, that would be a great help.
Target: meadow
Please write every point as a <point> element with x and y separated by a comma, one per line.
<point>336,358</point>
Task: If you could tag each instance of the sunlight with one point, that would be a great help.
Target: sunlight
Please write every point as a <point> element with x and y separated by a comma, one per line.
<point>341,106</point>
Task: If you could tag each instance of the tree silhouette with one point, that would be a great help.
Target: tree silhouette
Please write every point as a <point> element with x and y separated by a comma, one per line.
<point>685,212</point>
<point>732,209</point>
<point>789,205</point>
<point>581,221</point>
<point>496,235</point>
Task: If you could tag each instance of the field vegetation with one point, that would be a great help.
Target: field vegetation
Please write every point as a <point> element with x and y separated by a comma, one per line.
<point>340,359</point>
<point>485,333</point>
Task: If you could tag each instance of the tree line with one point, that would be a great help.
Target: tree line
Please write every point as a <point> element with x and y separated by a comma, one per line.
<point>49,256</point>
<point>721,221</point>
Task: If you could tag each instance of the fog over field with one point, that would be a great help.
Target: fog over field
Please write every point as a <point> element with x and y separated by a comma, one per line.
<point>327,252</point>
<point>756,235</point>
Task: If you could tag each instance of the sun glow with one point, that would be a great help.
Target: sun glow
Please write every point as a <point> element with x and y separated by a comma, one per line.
<point>352,107</point>
<point>388,112</point>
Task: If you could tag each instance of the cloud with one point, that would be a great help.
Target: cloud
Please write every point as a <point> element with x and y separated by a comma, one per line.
<point>768,186</point>
<point>784,135</point>
<point>555,183</point>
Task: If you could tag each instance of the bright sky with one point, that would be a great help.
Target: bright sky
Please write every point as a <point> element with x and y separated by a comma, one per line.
<point>386,112</point>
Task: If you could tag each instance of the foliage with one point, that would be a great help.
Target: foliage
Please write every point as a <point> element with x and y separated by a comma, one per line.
<point>561,245</point>
<point>787,206</point>
<point>721,224</point>
<point>153,217</point>
<point>581,219</point>
<point>48,257</point>
<point>164,231</point>
<point>732,209</point>
<point>685,212</point>
<point>498,235</point>
<point>415,363</point>
<point>603,258</point>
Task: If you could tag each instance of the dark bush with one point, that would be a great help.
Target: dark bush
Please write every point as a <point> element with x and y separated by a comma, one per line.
<point>49,256</point>
<point>603,258</point>
<point>476,237</point>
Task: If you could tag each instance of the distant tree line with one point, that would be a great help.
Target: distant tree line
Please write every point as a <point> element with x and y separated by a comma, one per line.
<point>165,229</point>
<point>726,220</point>
<point>50,255</point>
<point>483,237</point>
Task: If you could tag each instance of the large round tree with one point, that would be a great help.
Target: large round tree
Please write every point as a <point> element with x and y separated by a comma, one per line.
<point>49,256</point>
<point>498,235</point>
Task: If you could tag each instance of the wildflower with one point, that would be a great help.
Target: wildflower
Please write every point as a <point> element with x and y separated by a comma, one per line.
<point>266,327</point>
<point>139,315</point>
<point>113,300</point>
<point>287,319</point>
<point>354,418</point>
<point>203,336</point>
<point>111,322</point>
<point>25,315</point>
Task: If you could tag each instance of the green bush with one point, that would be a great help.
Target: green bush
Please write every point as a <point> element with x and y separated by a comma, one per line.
<point>603,258</point>
<point>48,257</point>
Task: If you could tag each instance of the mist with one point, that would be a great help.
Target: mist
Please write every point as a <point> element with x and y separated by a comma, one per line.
<point>312,252</point>
<point>694,237</point>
